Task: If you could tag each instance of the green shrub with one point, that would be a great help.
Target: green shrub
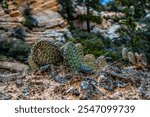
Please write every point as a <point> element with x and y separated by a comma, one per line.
<point>30,22</point>
<point>5,58</point>
<point>16,49</point>
<point>5,5</point>
<point>95,44</point>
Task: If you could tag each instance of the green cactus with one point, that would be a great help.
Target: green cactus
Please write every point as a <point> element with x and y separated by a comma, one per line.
<point>44,52</point>
<point>72,56</point>
<point>31,63</point>
<point>96,64</point>
<point>89,57</point>
<point>89,60</point>
<point>80,50</point>
<point>124,53</point>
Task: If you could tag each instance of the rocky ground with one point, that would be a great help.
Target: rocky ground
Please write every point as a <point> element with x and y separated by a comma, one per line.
<point>55,83</point>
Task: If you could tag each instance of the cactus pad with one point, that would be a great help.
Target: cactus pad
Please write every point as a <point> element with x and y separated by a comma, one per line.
<point>143,59</point>
<point>44,52</point>
<point>80,50</point>
<point>72,56</point>
<point>124,53</point>
<point>89,60</point>
<point>31,63</point>
<point>131,58</point>
<point>89,57</point>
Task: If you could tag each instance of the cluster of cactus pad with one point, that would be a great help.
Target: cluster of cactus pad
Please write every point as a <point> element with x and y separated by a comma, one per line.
<point>45,52</point>
<point>134,58</point>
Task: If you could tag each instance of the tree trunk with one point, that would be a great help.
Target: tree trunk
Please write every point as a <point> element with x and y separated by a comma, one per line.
<point>88,13</point>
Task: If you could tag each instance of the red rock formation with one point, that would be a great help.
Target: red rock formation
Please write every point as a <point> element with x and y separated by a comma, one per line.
<point>45,11</point>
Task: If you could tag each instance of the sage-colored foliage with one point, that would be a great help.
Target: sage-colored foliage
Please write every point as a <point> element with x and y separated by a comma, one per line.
<point>44,52</point>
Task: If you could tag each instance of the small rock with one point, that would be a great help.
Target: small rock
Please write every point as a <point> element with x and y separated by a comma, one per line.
<point>119,94</point>
<point>45,68</point>
<point>60,79</point>
<point>85,85</point>
<point>19,82</point>
<point>107,83</point>
<point>119,84</point>
<point>85,69</point>
<point>76,92</point>
<point>5,96</point>
<point>144,90</point>
<point>25,91</point>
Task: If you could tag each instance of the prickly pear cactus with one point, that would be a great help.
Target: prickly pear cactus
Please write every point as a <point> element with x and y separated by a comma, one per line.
<point>72,56</point>
<point>44,52</point>
<point>131,58</point>
<point>31,63</point>
<point>124,53</point>
<point>89,60</point>
<point>143,59</point>
<point>89,57</point>
<point>138,57</point>
<point>80,50</point>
